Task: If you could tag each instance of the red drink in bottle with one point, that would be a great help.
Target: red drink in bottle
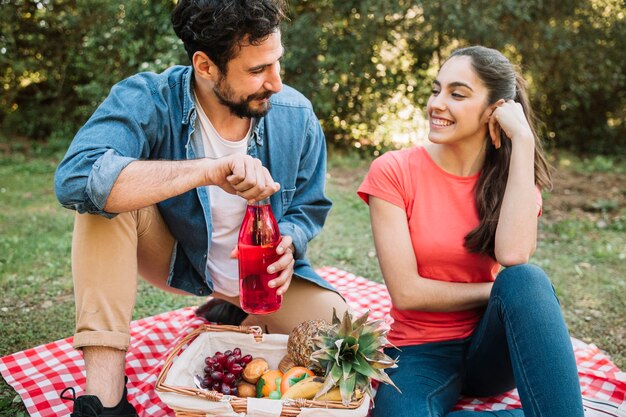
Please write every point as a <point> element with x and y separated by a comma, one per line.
<point>258,239</point>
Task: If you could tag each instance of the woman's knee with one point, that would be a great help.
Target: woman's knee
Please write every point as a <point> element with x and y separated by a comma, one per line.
<point>522,278</point>
<point>428,377</point>
<point>523,283</point>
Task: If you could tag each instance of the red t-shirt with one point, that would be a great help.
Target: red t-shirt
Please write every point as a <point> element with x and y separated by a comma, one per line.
<point>440,210</point>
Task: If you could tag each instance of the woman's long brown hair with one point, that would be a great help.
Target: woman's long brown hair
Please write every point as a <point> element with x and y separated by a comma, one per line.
<point>502,82</point>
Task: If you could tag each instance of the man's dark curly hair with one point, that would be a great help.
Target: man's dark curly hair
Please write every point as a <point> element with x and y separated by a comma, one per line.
<point>219,27</point>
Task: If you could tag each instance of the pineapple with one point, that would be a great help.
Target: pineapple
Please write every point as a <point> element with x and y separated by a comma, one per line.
<point>350,353</point>
<point>300,343</point>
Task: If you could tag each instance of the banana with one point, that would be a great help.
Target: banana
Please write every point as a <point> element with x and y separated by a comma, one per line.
<point>335,395</point>
<point>332,395</point>
<point>358,394</point>
<point>306,389</point>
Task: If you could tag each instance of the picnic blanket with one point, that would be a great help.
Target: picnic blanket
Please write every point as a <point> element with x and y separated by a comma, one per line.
<point>41,373</point>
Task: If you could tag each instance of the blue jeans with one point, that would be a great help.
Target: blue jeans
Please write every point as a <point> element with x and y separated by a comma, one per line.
<point>521,341</point>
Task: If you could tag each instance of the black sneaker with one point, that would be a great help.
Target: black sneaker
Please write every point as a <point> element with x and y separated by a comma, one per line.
<point>90,406</point>
<point>221,312</point>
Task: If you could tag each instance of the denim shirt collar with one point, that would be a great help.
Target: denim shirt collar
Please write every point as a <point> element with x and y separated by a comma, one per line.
<point>257,133</point>
<point>189,105</point>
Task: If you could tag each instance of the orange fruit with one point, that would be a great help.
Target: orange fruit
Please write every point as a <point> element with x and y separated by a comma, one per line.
<point>269,381</point>
<point>294,375</point>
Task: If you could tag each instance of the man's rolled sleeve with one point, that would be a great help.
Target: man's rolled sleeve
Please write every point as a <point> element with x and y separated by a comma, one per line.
<point>101,179</point>
<point>119,132</point>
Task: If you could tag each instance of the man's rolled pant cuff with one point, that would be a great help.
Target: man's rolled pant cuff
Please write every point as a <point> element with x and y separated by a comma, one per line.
<point>115,340</point>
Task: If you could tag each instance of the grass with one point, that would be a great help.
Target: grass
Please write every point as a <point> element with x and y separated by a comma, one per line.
<point>584,256</point>
<point>586,263</point>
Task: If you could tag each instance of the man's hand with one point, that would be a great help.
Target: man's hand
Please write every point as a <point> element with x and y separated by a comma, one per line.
<point>284,265</point>
<point>241,175</point>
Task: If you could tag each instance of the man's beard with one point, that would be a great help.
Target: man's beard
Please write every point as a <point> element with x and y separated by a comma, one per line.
<point>224,94</point>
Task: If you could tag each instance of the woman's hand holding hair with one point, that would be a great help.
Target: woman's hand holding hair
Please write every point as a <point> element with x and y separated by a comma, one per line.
<point>508,116</point>
<point>516,233</point>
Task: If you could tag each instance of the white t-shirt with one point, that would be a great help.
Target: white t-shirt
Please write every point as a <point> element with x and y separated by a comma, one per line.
<point>227,210</point>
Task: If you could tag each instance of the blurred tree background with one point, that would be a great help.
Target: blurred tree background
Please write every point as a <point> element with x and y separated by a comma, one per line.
<point>367,65</point>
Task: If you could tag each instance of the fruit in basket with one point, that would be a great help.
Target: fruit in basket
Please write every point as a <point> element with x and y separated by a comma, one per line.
<point>305,389</point>
<point>332,395</point>
<point>293,376</point>
<point>300,344</point>
<point>223,371</point>
<point>254,369</point>
<point>268,383</point>
<point>350,352</point>
<point>286,363</point>
<point>246,389</point>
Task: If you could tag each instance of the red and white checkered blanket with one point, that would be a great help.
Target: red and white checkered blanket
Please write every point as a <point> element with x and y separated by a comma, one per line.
<point>41,373</point>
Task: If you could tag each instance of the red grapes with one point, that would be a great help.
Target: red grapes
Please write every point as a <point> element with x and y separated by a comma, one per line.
<point>223,371</point>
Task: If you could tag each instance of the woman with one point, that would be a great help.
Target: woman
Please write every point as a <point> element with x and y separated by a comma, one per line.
<point>446,217</point>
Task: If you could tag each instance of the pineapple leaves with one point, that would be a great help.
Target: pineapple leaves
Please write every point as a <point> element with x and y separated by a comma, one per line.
<point>336,373</point>
<point>377,374</point>
<point>365,369</point>
<point>346,388</point>
<point>332,378</point>
<point>361,320</point>
<point>336,320</point>
<point>369,342</point>
<point>346,368</point>
<point>363,383</point>
<point>350,351</point>
<point>321,356</point>
<point>381,361</point>
<point>345,327</point>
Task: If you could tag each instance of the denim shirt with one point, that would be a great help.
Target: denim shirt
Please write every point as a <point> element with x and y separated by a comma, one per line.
<point>153,117</point>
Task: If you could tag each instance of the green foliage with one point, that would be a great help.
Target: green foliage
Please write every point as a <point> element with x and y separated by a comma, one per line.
<point>572,54</point>
<point>367,65</point>
<point>60,58</point>
<point>358,60</point>
<point>334,55</point>
<point>600,163</point>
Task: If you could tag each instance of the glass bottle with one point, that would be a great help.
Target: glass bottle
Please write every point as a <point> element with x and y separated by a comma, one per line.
<point>258,238</point>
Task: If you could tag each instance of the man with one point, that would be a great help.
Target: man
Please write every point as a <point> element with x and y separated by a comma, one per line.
<point>161,174</point>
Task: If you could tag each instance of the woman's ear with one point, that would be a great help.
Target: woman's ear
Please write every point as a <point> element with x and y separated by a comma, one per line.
<point>203,66</point>
<point>484,117</point>
<point>490,109</point>
<point>492,124</point>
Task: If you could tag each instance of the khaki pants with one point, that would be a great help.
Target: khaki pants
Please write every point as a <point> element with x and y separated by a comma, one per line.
<point>109,254</point>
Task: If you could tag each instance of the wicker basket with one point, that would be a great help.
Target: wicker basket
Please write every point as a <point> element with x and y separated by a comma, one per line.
<point>177,389</point>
